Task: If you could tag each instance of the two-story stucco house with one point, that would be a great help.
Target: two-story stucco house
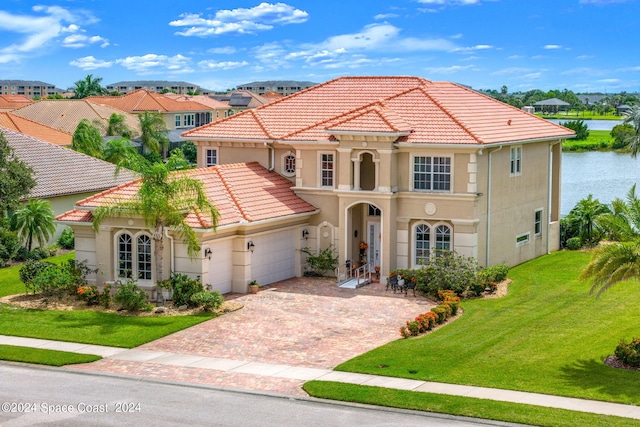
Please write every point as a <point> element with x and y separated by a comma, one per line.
<point>403,165</point>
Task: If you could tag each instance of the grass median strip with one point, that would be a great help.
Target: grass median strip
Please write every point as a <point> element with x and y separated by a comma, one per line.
<point>44,357</point>
<point>463,406</point>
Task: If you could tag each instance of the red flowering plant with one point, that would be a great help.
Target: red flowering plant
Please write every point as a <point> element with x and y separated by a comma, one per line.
<point>90,294</point>
<point>363,246</point>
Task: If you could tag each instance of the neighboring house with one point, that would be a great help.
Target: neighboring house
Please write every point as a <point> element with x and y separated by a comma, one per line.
<point>406,166</point>
<point>552,105</point>
<point>623,109</point>
<point>285,87</point>
<point>177,114</point>
<point>258,237</point>
<point>241,100</point>
<point>11,102</point>
<point>159,86</point>
<point>65,114</point>
<point>35,129</point>
<point>218,108</point>
<point>63,176</point>
<point>28,88</point>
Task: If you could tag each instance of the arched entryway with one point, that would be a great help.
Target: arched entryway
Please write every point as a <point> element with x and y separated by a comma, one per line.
<point>363,241</point>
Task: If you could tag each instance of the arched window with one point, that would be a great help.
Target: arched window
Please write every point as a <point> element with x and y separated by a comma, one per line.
<point>134,256</point>
<point>443,238</point>
<point>144,257</point>
<point>125,255</point>
<point>422,243</point>
<point>289,164</point>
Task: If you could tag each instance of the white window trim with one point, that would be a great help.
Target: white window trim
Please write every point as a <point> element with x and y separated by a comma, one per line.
<point>283,161</point>
<point>134,256</point>
<point>523,239</point>
<point>538,234</point>
<point>413,173</point>
<point>206,157</point>
<point>334,177</point>
<point>432,239</point>
<point>515,161</point>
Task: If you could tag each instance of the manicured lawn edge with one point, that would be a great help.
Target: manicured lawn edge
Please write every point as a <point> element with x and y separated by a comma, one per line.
<point>40,356</point>
<point>462,406</point>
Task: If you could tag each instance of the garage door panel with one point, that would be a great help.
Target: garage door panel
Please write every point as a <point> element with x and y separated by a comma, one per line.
<point>221,267</point>
<point>274,257</point>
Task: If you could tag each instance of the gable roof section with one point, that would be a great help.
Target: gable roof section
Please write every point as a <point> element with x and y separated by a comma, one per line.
<point>11,102</point>
<point>37,130</point>
<point>59,171</point>
<point>430,112</point>
<point>65,114</point>
<point>242,192</point>
<point>143,100</point>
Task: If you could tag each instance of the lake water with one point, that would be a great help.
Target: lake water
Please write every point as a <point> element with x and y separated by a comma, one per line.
<point>594,124</point>
<point>605,175</point>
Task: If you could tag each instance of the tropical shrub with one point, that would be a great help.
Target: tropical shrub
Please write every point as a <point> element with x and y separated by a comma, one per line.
<point>30,270</point>
<point>51,279</point>
<point>89,294</point>
<point>621,135</point>
<point>78,270</point>
<point>131,297</point>
<point>574,243</point>
<point>489,278</point>
<point>446,270</point>
<point>183,288</point>
<point>9,244</point>
<point>209,301</point>
<point>629,353</point>
<point>66,240</point>
<point>325,260</point>
<point>441,312</point>
<point>579,127</point>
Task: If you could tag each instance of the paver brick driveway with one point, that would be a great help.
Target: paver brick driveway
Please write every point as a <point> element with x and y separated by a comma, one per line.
<point>305,321</point>
<point>302,322</point>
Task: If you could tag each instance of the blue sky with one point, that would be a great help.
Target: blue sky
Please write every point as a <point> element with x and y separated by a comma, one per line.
<point>581,45</point>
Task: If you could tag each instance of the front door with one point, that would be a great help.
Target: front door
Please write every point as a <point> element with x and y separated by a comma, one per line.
<point>373,240</point>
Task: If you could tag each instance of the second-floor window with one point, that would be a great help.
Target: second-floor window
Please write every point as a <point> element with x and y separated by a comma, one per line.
<point>537,222</point>
<point>432,173</point>
<point>289,164</point>
<point>516,161</point>
<point>211,157</point>
<point>326,170</point>
<point>178,121</point>
<point>189,120</point>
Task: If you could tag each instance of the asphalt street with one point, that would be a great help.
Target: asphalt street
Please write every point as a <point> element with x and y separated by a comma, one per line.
<point>48,396</point>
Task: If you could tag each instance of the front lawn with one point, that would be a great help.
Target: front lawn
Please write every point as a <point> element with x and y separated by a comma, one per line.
<point>44,357</point>
<point>548,335</point>
<point>85,326</point>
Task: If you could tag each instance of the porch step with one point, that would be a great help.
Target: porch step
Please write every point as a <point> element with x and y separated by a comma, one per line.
<point>353,283</point>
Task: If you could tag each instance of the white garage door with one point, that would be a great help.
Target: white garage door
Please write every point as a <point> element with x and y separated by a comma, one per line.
<point>274,257</point>
<point>220,266</point>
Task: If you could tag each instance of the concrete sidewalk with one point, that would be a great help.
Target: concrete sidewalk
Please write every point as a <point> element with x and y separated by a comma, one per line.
<point>307,374</point>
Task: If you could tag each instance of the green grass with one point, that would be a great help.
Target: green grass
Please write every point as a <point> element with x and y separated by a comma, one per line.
<point>10,283</point>
<point>548,335</point>
<point>86,326</point>
<point>463,406</point>
<point>581,115</point>
<point>598,140</point>
<point>44,357</point>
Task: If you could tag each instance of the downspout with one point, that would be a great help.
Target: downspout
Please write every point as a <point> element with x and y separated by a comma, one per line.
<point>272,157</point>
<point>171,249</point>
<point>489,181</point>
<point>549,192</point>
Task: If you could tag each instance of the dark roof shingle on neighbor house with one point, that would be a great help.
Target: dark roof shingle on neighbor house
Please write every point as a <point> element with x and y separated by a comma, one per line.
<point>241,192</point>
<point>60,171</point>
<point>425,112</point>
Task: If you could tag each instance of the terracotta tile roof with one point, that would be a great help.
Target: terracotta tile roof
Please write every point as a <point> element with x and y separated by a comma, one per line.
<point>11,102</point>
<point>205,100</point>
<point>242,192</point>
<point>37,130</point>
<point>433,112</point>
<point>60,171</point>
<point>65,114</point>
<point>142,100</point>
<point>76,215</point>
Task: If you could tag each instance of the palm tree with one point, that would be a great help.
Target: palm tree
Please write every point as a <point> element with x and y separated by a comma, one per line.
<point>154,132</point>
<point>582,219</point>
<point>87,139</point>
<point>633,117</point>
<point>34,221</point>
<point>118,127</point>
<point>164,198</point>
<point>90,86</point>
<point>118,151</point>
<point>612,264</point>
<point>623,223</point>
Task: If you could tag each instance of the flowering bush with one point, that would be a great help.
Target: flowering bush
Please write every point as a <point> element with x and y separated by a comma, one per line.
<point>90,294</point>
<point>363,245</point>
<point>423,323</point>
<point>629,353</point>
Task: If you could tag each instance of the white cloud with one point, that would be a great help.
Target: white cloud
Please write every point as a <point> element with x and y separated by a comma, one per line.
<point>227,50</point>
<point>552,46</point>
<point>450,2</point>
<point>382,16</point>
<point>80,40</point>
<point>515,57</point>
<point>152,63</point>
<point>511,70</point>
<point>36,32</point>
<point>224,65</point>
<point>449,70</point>
<point>263,17</point>
<point>585,57</point>
<point>90,63</point>
<point>472,48</point>
<point>611,81</point>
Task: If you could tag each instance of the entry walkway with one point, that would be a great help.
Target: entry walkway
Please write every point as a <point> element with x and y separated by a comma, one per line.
<point>262,371</point>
